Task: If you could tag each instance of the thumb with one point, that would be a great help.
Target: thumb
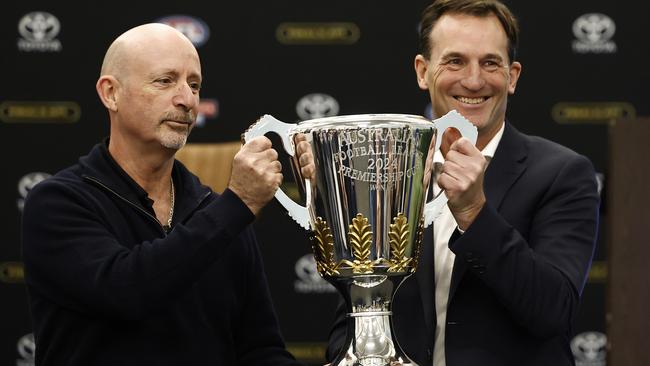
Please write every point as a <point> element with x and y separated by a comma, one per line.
<point>449,136</point>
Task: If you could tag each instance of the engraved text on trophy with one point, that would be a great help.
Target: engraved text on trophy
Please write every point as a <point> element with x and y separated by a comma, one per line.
<point>379,156</point>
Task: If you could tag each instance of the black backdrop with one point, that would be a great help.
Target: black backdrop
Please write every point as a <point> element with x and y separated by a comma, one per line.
<point>297,60</point>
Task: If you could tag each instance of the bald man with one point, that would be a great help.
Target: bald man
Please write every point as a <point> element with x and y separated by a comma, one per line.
<point>129,260</point>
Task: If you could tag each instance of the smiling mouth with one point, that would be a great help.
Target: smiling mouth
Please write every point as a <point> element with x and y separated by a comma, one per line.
<point>467,100</point>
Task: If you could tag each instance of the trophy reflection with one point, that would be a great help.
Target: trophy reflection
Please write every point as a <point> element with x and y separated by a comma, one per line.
<point>366,211</point>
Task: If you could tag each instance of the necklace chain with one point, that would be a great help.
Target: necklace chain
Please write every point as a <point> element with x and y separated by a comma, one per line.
<point>171,205</point>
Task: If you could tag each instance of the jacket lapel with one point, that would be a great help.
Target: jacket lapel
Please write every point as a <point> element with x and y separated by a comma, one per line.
<point>504,169</point>
<point>506,166</point>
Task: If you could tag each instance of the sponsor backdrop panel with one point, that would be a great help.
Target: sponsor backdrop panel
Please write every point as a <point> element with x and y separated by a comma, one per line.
<point>299,60</point>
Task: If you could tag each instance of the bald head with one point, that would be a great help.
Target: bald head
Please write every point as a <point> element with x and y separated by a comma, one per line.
<point>135,42</point>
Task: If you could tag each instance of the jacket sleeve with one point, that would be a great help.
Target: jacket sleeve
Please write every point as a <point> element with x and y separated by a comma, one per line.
<point>73,258</point>
<point>257,335</point>
<point>338,332</point>
<point>540,278</point>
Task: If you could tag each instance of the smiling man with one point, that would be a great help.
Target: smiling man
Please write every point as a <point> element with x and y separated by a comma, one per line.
<point>501,273</point>
<point>467,67</point>
<point>129,260</point>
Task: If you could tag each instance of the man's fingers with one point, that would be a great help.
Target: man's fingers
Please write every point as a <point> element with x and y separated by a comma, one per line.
<point>464,146</point>
<point>303,147</point>
<point>270,154</point>
<point>308,171</point>
<point>305,159</point>
<point>277,181</point>
<point>258,144</point>
<point>276,166</point>
<point>261,152</point>
<point>299,137</point>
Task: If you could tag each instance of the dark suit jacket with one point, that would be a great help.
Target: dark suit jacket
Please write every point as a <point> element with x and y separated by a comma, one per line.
<point>520,267</point>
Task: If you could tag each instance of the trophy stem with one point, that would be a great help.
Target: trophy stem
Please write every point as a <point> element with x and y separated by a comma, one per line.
<point>371,340</point>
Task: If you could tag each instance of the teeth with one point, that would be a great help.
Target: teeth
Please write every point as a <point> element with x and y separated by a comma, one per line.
<point>471,100</point>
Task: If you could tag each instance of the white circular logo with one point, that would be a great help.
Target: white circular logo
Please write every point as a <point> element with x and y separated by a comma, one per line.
<point>26,183</point>
<point>306,269</point>
<point>27,347</point>
<point>594,28</point>
<point>317,105</point>
<point>39,26</point>
<point>309,281</point>
<point>196,30</point>
<point>589,348</point>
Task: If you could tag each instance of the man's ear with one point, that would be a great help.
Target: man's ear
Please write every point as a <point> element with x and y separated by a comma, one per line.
<point>107,88</point>
<point>421,66</point>
<point>515,71</point>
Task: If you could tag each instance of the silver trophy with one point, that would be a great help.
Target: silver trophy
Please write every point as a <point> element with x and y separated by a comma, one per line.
<point>366,211</point>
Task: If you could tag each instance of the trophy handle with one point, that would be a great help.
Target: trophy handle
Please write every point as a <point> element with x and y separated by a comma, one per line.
<point>468,130</point>
<point>268,123</point>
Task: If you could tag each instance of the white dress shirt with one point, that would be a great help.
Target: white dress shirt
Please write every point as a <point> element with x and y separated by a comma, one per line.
<point>443,227</point>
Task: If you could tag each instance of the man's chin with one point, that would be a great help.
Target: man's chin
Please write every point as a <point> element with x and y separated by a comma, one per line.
<point>175,142</point>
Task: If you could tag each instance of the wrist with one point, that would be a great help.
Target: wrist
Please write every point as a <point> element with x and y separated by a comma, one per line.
<point>464,218</point>
<point>253,205</point>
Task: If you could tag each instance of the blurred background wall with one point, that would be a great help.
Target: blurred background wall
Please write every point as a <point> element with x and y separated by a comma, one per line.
<point>584,65</point>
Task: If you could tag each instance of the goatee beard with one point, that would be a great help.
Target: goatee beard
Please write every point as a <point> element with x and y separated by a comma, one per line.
<point>174,140</point>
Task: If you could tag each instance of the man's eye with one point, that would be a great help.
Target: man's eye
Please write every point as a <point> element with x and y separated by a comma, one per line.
<point>164,81</point>
<point>195,86</point>
<point>491,65</point>
<point>454,63</point>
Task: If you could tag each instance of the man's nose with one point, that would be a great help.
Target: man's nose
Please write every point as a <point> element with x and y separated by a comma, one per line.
<point>185,97</point>
<point>473,78</point>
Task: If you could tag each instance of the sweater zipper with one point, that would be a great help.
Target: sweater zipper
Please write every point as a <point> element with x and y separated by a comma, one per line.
<point>137,207</point>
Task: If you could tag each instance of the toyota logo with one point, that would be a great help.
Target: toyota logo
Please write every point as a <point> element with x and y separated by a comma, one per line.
<point>27,347</point>
<point>317,105</point>
<point>39,26</point>
<point>589,347</point>
<point>594,28</point>
<point>28,182</point>
<point>306,269</point>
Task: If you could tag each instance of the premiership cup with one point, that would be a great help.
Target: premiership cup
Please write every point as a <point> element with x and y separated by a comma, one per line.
<point>366,209</point>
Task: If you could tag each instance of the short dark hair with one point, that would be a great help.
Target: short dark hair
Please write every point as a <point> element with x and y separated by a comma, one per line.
<point>479,8</point>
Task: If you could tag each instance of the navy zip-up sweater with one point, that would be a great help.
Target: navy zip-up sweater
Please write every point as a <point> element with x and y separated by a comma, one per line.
<point>108,286</point>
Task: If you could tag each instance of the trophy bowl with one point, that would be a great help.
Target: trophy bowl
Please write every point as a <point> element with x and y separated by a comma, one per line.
<point>366,209</point>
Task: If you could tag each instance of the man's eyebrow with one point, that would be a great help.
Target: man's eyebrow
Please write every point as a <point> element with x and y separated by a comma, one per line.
<point>449,55</point>
<point>492,56</point>
<point>173,73</point>
<point>197,76</point>
<point>156,73</point>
